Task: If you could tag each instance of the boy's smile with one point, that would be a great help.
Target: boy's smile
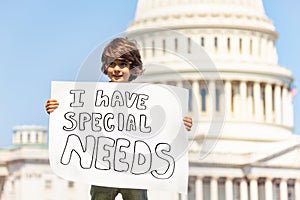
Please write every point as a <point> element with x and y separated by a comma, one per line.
<point>118,71</point>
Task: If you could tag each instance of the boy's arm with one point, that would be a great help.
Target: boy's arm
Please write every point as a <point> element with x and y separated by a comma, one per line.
<point>51,105</point>
<point>188,123</point>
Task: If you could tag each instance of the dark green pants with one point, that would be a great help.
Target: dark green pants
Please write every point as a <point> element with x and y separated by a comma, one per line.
<point>108,193</point>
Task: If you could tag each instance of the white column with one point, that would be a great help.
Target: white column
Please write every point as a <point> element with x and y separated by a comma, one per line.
<point>277,102</point>
<point>268,189</point>
<point>268,103</point>
<point>212,97</point>
<point>284,105</point>
<point>297,189</point>
<point>244,189</point>
<point>253,189</point>
<point>213,188</point>
<point>257,102</point>
<point>196,96</point>
<point>228,100</point>
<point>228,189</point>
<point>283,189</point>
<point>243,92</point>
<point>198,188</point>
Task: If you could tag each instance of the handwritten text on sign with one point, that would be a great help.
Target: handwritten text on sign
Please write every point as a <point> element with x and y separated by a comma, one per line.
<point>120,135</point>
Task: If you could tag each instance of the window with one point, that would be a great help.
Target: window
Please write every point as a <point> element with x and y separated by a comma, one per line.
<point>153,48</point>
<point>70,184</point>
<point>236,190</point>
<point>263,99</point>
<point>164,46</point>
<point>216,43</point>
<point>203,94</point>
<point>202,42</point>
<point>261,189</point>
<point>251,47</point>
<point>228,44</point>
<point>291,190</point>
<point>190,99</point>
<point>189,45</point>
<point>218,92</point>
<point>21,138</point>
<point>276,190</point>
<point>206,188</point>
<point>241,46</point>
<point>48,184</point>
<point>191,188</point>
<point>36,138</point>
<point>221,189</point>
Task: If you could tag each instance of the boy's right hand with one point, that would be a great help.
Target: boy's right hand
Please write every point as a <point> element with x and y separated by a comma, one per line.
<point>51,105</point>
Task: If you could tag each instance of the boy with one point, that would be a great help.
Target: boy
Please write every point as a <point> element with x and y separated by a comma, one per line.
<point>121,62</point>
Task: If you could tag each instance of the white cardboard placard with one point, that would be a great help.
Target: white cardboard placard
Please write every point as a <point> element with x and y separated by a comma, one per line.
<point>125,135</point>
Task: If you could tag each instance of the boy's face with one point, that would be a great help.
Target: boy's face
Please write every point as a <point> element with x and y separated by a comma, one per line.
<point>118,71</point>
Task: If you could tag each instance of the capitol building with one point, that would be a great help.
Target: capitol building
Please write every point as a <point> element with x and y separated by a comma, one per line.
<point>224,52</point>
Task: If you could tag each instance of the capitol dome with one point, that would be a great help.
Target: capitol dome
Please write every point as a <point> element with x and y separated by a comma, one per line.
<point>240,78</point>
<point>244,14</point>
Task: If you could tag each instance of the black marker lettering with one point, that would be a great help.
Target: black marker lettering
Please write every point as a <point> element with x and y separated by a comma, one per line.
<point>70,117</point>
<point>106,126</point>
<point>74,145</point>
<point>96,121</point>
<point>101,99</point>
<point>130,99</point>
<point>142,160</point>
<point>141,102</point>
<point>105,149</point>
<point>117,97</point>
<point>120,164</point>
<point>131,126</point>
<point>143,127</point>
<point>77,98</point>
<point>83,118</point>
<point>169,159</point>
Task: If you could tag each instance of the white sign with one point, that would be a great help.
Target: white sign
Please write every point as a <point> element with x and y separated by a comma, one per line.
<point>125,135</point>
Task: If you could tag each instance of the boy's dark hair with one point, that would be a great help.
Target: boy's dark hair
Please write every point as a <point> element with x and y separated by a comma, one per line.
<point>125,49</point>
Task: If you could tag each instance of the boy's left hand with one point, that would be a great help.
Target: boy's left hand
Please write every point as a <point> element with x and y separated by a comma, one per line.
<point>188,123</point>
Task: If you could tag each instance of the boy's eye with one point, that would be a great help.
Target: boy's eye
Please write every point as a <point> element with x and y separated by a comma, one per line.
<point>112,64</point>
<point>120,64</point>
<point>123,64</point>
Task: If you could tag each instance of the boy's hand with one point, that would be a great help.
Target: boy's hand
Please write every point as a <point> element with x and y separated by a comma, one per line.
<point>188,123</point>
<point>51,105</point>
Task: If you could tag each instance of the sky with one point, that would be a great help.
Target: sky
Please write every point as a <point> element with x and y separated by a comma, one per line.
<point>43,41</point>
